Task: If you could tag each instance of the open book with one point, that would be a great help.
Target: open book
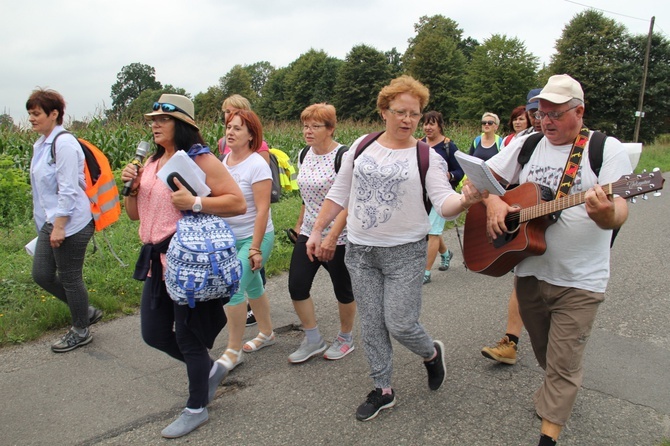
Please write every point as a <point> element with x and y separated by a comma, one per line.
<point>479,173</point>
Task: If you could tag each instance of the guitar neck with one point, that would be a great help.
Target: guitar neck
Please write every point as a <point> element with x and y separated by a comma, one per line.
<point>549,207</point>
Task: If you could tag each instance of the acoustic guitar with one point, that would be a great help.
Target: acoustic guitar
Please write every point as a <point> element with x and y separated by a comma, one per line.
<point>526,228</point>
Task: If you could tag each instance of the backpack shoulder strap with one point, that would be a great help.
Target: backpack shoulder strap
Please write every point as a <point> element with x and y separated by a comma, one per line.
<point>596,149</point>
<point>499,141</point>
<point>369,138</point>
<point>53,144</point>
<point>303,154</point>
<point>423,160</point>
<point>475,143</point>
<point>528,148</point>
<point>338,157</point>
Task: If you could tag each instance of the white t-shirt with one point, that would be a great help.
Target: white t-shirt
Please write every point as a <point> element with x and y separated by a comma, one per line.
<point>250,171</point>
<point>578,251</point>
<point>382,191</point>
<point>316,175</point>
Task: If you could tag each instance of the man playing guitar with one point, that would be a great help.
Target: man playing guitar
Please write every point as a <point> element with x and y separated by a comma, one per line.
<point>559,292</point>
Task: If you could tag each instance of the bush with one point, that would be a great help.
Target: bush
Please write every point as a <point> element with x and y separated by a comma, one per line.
<point>16,203</point>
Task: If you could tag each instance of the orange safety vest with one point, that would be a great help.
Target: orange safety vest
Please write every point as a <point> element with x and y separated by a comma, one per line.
<point>100,184</point>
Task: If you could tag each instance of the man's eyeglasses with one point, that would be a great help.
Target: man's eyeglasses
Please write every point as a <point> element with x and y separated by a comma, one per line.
<point>313,127</point>
<point>405,114</point>
<point>553,115</point>
<point>169,108</point>
<point>488,122</point>
<point>159,120</point>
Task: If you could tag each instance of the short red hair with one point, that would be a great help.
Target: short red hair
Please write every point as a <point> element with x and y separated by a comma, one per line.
<point>253,124</point>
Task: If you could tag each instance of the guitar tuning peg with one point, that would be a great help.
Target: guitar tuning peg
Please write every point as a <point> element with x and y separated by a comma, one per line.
<point>657,193</point>
<point>633,200</point>
<point>644,197</point>
<point>656,169</point>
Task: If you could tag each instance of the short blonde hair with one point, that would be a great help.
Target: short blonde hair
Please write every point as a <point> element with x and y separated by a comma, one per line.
<point>236,101</point>
<point>320,112</point>
<point>400,85</point>
<point>492,115</point>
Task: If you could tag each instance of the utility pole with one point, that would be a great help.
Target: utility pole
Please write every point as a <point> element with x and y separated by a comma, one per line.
<point>639,114</point>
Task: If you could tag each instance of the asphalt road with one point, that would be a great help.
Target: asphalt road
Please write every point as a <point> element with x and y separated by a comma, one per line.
<point>118,391</point>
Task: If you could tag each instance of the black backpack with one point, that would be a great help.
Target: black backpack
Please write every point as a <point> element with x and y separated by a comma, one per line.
<point>338,156</point>
<point>596,149</point>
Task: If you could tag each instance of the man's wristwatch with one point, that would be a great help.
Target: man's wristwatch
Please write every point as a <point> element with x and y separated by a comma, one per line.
<point>197,206</point>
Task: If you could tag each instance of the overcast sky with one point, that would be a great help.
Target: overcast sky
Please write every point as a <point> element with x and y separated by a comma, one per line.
<point>78,47</point>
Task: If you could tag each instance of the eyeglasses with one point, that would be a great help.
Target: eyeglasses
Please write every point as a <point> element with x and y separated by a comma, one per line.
<point>313,127</point>
<point>158,120</point>
<point>405,114</point>
<point>553,115</point>
<point>488,122</point>
<point>169,108</point>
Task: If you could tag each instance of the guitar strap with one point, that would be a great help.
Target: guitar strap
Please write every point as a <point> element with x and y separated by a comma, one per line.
<point>572,165</point>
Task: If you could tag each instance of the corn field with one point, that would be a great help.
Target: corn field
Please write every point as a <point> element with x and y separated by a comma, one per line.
<point>118,140</point>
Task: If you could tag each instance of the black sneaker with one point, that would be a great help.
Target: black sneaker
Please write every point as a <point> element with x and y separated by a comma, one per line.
<point>94,315</point>
<point>251,319</point>
<point>72,340</point>
<point>436,368</point>
<point>374,403</point>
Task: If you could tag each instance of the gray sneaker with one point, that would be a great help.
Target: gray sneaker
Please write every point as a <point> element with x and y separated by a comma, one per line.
<point>339,349</point>
<point>306,351</point>
<point>185,424</point>
<point>72,340</point>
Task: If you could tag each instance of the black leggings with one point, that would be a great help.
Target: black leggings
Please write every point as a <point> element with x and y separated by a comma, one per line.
<point>302,272</point>
<point>184,342</point>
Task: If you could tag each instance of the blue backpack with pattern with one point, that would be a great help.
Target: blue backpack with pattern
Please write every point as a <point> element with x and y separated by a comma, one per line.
<point>202,261</point>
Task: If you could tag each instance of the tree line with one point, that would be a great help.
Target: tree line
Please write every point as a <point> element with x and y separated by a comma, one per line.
<point>466,78</point>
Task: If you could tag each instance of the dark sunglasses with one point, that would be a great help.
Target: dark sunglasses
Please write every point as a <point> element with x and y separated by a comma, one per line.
<point>488,122</point>
<point>169,108</point>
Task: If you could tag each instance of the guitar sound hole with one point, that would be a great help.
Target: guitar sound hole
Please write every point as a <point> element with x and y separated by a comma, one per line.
<point>512,223</point>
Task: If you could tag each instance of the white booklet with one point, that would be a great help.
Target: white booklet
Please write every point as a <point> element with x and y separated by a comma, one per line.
<point>182,165</point>
<point>479,173</point>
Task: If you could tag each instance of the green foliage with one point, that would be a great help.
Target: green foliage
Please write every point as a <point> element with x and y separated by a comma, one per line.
<point>260,72</point>
<point>208,105</point>
<point>131,81</point>
<point>394,59</point>
<point>656,104</point>
<point>435,58</point>
<point>16,205</point>
<point>237,81</point>
<point>499,76</point>
<point>6,121</point>
<point>270,103</point>
<point>309,79</point>
<point>364,72</point>
<point>594,50</point>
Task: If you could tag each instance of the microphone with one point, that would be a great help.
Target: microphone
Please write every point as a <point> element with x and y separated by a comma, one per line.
<point>140,153</point>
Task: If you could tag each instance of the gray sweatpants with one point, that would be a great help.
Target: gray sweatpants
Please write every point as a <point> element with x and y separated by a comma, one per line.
<point>387,285</point>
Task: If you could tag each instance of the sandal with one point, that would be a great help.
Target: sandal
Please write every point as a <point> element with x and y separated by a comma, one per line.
<point>259,342</point>
<point>225,361</point>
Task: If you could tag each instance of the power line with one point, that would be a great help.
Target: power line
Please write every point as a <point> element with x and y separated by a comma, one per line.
<point>609,12</point>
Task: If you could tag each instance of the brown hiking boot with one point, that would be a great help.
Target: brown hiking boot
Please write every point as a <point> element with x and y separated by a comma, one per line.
<point>504,351</point>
